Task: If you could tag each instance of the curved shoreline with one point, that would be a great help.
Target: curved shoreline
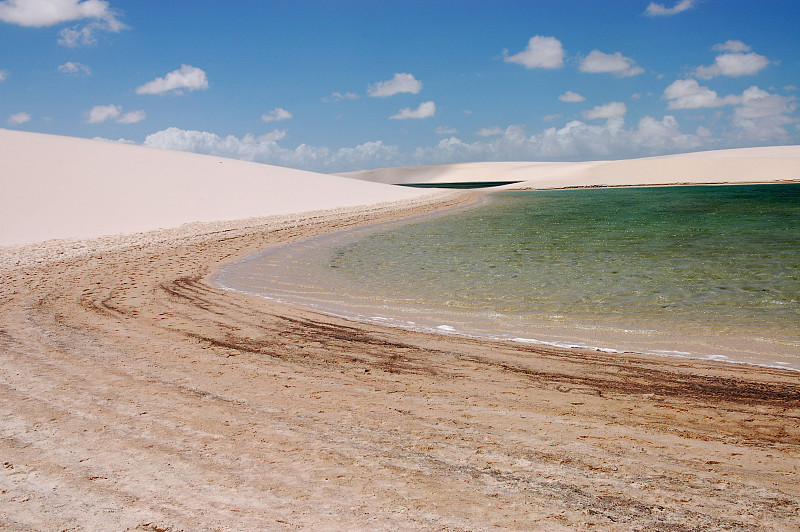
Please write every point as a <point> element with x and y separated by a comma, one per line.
<point>136,395</point>
<point>324,299</point>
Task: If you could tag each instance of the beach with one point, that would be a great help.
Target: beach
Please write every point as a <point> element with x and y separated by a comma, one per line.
<point>138,395</point>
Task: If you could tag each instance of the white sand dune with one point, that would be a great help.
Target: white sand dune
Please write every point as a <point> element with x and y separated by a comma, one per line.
<point>746,165</point>
<point>63,187</point>
<point>56,187</point>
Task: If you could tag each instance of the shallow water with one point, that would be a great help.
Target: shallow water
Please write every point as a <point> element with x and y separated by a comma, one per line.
<point>709,272</point>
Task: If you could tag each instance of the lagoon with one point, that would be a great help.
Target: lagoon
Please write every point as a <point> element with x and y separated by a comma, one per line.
<point>696,271</point>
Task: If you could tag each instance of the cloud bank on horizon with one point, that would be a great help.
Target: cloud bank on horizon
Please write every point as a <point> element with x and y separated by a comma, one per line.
<point>361,86</point>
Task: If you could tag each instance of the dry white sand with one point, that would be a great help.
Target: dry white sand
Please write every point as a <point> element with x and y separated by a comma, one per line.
<point>62,187</point>
<point>747,165</point>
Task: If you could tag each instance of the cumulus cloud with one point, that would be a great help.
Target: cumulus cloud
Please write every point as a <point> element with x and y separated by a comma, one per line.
<point>187,78</point>
<point>42,13</point>
<point>659,10</point>
<point>733,64</point>
<point>101,113</point>
<point>609,110</point>
<point>74,68</point>
<point>490,131</point>
<point>425,110</point>
<point>19,118</point>
<point>265,149</point>
<point>572,97</point>
<point>731,46</point>
<point>541,52</point>
<point>276,115</point>
<point>598,62</point>
<point>762,116</point>
<point>273,136</point>
<point>575,141</point>
<point>689,94</point>
<point>3,75</point>
<point>338,96</point>
<point>132,117</point>
<point>757,116</point>
<point>445,130</point>
<point>399,83</point>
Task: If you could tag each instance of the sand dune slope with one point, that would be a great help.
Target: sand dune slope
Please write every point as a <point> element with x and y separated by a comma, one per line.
<point>62,187</point>
<point>747,165</point>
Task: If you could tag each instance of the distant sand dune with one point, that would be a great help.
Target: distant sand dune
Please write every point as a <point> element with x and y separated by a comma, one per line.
<point>746,165</point>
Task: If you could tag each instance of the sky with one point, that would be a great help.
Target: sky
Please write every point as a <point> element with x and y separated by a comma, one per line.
<point>334,86</point>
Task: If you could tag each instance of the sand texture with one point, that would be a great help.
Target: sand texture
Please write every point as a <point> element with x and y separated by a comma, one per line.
<point>136,395</point>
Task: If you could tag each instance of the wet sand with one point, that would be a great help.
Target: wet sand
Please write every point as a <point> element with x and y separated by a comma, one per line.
<point>136,395</point>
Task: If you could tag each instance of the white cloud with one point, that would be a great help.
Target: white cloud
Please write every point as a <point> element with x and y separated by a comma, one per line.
<point>490,131</point>
<point>609,110</point>
<point>758,118</point>
<point>101,113</point>
<point>74,68</point>
<point>731,46</point>
<point>132,117</point>
<point>689,94</point>
<point>762,116</point>
<point>338,96</point>
<point>265,149</point>
<point>276,115</point>
<point>598,62</point>
<point>445,130</point>
<point>187,77</point>
<point>541,52</point>
<point>425,110</point>
<point>572,97</point>
<point>19,118</point>
<point>733,65</point>
<point>575,141</point>
<point>3,75</point>
<point>399,83</point>
<point>757,115</point>
<point>659,10</point>
<point>41,13</point>
<point>273,136</point>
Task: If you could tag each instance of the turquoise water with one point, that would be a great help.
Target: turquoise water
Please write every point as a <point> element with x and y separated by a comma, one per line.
<point>711,272</point>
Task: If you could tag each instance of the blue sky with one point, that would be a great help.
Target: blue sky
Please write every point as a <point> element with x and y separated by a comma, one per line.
<point>345,85</point>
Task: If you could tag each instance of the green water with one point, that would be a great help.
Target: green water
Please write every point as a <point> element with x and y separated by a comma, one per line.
<point>699,271</point>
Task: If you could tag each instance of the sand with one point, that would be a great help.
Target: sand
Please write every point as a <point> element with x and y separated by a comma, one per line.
<point>135,395</point>
<point>60,187</point>
<point>747,165</point>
